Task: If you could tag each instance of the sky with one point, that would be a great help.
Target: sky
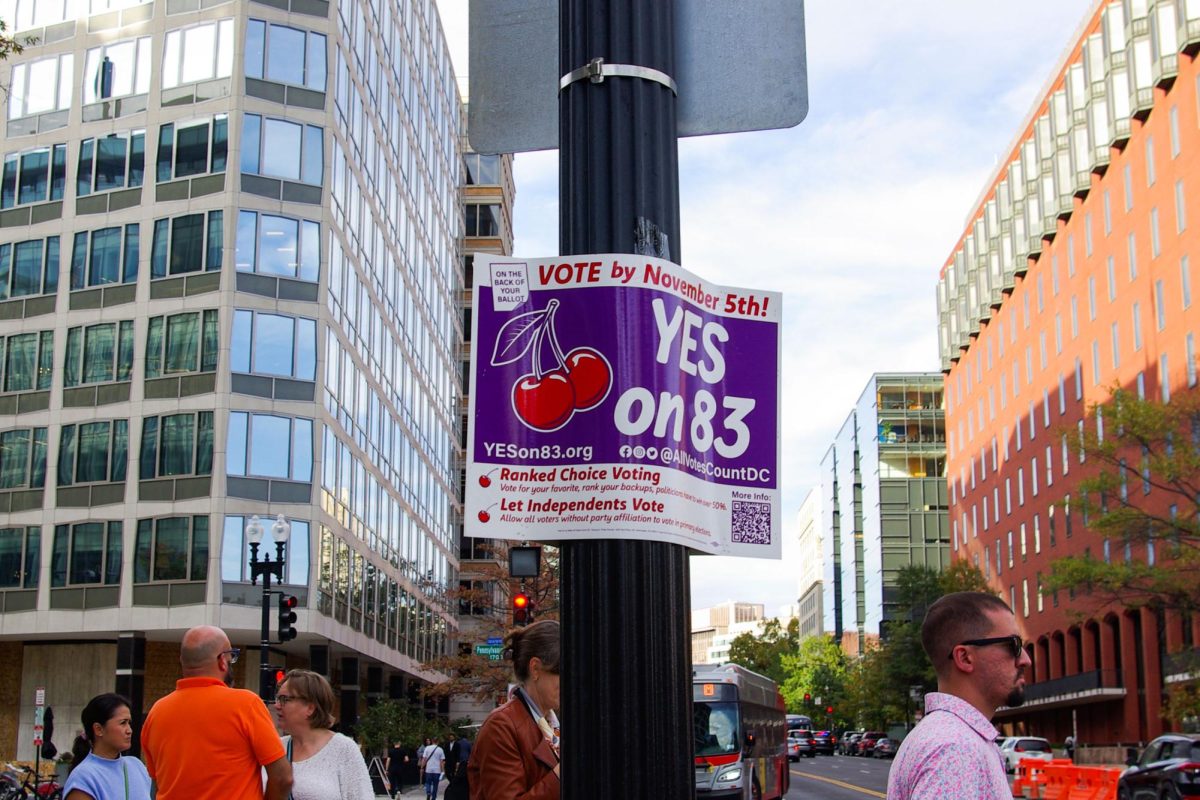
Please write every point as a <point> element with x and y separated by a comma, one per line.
<point>851,214</point>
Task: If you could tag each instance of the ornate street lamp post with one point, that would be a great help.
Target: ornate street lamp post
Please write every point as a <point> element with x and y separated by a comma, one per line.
<point>266,567</point>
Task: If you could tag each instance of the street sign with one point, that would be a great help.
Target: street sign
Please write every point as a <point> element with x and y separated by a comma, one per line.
<point>492,651</point>
<point>495,640</point>
<point>741,67</point>
<point>39,696</point>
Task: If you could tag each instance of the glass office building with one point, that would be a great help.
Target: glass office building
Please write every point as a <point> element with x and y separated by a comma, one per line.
<point>230,286</point>
<point>883,503</point>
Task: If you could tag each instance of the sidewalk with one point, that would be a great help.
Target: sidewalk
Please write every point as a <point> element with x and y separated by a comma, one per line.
<point>415,793</point>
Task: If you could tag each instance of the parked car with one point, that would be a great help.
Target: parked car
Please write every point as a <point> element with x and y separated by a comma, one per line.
<point>867,743</point>
<point>1168,767</point>
<point>886,748</point>
<point>1015,748</point>
<point>849,743</point>
<point>825,741</point>
<point>807,745</point>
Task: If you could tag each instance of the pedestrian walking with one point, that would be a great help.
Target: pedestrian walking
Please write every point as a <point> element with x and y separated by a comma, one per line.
<point>394,764</point>
<point>459,787</point>
<point>1069,746</point>
<point>208,741</point>
<point>98,770</point>
<point>325,765</point>
<point>980,661</point>
<point>516,754</point>
<point>435,758</point>
<point>422,753</point>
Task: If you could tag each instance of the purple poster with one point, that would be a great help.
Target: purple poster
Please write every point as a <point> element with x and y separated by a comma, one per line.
<point>623,397</point>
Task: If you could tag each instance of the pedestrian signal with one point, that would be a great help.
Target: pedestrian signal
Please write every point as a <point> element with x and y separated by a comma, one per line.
<point>287,617</point>
<point>522,608</point>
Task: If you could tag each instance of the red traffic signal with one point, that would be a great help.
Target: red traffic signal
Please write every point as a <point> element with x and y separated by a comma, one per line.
<point>522,609</point>
<point>807,697</point>
<point>829,709</point>
<point>279,676</point>
<point>287,617</point>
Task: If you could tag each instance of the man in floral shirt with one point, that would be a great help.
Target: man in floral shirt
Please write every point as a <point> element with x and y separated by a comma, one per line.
<point>980,660</point>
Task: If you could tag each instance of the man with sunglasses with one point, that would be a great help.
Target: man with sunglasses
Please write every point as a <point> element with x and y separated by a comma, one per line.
<point>207,740</point>
<point>980,661</point>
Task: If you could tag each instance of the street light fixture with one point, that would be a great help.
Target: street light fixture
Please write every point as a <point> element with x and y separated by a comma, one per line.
<point>266,567</point>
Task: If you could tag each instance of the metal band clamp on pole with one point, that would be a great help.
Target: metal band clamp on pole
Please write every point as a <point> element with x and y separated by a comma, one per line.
<point>596,71</point>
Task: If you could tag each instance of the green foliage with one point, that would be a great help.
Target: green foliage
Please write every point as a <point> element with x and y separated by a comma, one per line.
<point>819,669</point>
<point>389,721</point>
<point>10,45</point>
<point>764,653</point>
<point>1144,464</point>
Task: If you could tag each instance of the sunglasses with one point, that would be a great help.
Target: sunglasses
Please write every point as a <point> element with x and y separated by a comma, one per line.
<point>1015,644</point>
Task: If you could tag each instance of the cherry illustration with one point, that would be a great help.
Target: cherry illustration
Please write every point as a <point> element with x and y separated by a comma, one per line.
<point>590,376</point>
<point>485,480</point>
<point>484,516</point>
<point>544,403</point>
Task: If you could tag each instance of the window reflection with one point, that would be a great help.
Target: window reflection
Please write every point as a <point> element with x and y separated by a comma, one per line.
<point>282,149</point>
<point>269,446</point>
<point>281,246</point>
<point>199,53</point>
<point>119,69</point>
<point>40,86</point>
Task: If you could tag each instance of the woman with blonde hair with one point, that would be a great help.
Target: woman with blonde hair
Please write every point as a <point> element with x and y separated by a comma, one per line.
<point>325,765</point>
<point>515,756</point>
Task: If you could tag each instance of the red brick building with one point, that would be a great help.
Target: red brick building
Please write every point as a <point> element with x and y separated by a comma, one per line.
<point>1077,274</point>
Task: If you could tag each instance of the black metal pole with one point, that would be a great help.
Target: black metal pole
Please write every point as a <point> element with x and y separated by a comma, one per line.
<point>626,704</point>
<point>264,648</point>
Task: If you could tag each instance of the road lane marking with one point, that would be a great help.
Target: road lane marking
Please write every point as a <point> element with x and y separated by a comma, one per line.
<point>843,784</point>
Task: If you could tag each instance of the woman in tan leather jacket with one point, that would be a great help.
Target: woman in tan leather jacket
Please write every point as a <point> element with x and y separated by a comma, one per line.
<point>516,754</point>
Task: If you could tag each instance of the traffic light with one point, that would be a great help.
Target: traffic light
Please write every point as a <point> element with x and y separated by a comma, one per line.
<point>287,617</point>
<point>522,609</point>
<point>807,698</point>
<point>829,710</point>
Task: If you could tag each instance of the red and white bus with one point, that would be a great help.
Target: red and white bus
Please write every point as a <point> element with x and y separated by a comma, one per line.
<point>740,731</point>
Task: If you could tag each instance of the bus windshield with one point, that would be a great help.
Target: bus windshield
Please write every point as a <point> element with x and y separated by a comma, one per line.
<point>716,728</point>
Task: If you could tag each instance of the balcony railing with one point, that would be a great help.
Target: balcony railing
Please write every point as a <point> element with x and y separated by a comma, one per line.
<point>1074,684</point>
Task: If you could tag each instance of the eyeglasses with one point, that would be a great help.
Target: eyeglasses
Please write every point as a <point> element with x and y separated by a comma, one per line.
<point>284,699</point>
<point>1014,642</point>
<point>233,653</point>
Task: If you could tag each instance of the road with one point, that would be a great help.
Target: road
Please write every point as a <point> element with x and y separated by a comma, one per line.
<point>839,778</point>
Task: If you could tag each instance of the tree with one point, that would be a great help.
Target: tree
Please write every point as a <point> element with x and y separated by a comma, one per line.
<point>390,721</point>
<point>11,45</point>
<point>819,669</point>
<point>1151,445</point>
<point>486,602</point>
<point>764,653</point>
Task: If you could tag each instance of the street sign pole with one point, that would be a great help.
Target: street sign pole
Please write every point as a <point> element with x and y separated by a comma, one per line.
<point>625,604</point>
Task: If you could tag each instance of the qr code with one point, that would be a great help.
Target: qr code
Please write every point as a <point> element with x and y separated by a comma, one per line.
<point>751,522</point>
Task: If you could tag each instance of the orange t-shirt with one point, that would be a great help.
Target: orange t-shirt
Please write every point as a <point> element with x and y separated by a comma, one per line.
<point>206,740</point>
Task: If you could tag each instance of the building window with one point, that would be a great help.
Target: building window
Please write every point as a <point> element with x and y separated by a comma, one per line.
<point>23,458</point>
<point>482,220</point>
<point>93,452</point>
<point>285,55</point>
<point>274,344</point>
<point>1191,359</point>
<point>33,176</point>
<point>86,553</point>
<point>235,550</point>
<point>1185,282</point>
<point>199,53</point>
<point>1053,533</point>
<point>1137,327</point>
<point>1164,378</point>
<point>27,361</point>
<point>1155,245</point>
<point>29,268</point>
<point>116,161</point>
<point>184,244</point>
<point>181,343</point>
<point>278,148</point>
<point>106,256</point>
<point>273,245</point>
<point>99,353</point>
<point>177,444</point>
<point>482,170</point>
<point>1107,213</point>
<point>269,446</point>
<point>119,69</point>
<point>1180,208</point>
<point>171,549</point>
<point>192,148</point>
<point>20,557</point>
<point>1116,345</point>
<point>37,87</point>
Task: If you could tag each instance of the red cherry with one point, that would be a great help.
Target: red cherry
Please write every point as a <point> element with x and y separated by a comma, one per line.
<point>545,404</point>
<point>485,481</point>
<point>484,516</point>
<point>590,376</point>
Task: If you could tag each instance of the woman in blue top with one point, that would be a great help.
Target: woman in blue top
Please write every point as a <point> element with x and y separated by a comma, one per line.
<point>98,771</point>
